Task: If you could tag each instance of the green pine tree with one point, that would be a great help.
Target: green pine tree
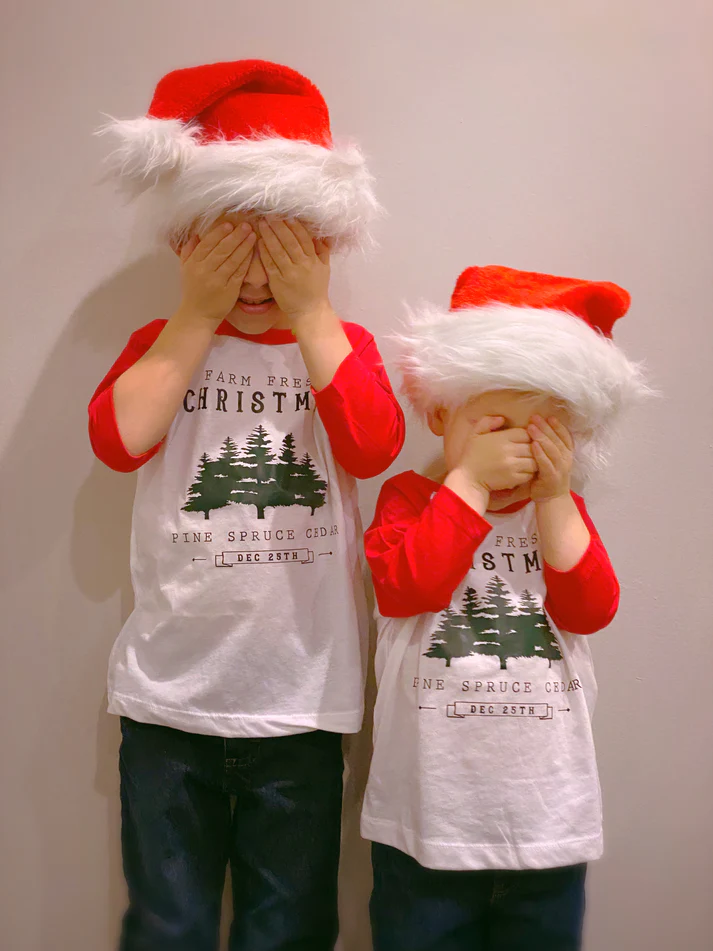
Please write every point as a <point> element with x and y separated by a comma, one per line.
<point>258,484</point>
<point>452,638</point>
<point>289,465</point>
<point>496,623</point>
<point>309,488</point>
<point>538,637</point>
<point>211,489</point>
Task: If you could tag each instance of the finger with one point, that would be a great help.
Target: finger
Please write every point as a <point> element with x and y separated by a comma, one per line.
<point>228,246</point>
<point>238,276</point>
<point>545,465</point>
<point>322,249</point>
<point>547,449</point>
<point>185,250</point>
<point>522,450</point>
<point>545,428</point>
<point>520,478</point>
<point>279,255</point>
<point>267,260</point>
<point>288,242</point>
<point>212,239</point>
<point>561,430</point>
<point>518,435</point>
<point>240,255</point>
<point>303,236</point>
<point>488,424</point>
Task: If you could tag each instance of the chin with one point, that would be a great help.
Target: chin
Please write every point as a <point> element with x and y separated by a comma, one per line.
<point>501,499</point>
<point>255,324</point>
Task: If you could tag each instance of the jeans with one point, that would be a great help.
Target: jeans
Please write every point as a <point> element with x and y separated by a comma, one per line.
<point>270,807</point>
<point>419,909</point>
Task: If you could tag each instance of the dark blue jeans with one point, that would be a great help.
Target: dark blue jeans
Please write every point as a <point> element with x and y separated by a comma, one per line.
<point>270,807</point>
<point>419,909</point>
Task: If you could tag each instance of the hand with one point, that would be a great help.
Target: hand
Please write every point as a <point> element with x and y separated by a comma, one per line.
<point>497,459</point>
<point>553,451</point>
<point>213,269</point>
<point>297,267</point>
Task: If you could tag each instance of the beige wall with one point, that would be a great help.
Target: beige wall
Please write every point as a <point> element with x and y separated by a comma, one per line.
<point>573,137</point>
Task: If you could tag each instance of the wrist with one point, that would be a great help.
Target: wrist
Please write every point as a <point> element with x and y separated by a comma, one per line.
<point>190,313</point>
<point>555,500</point>
<point>316,319</point>
<point>473,493</point>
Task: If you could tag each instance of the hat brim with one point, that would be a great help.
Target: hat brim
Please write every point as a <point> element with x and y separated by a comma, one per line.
<point>189,183</point>
<point>448,357</point>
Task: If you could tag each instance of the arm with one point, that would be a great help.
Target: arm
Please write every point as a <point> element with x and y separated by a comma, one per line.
<point>356,404</point>
<point>362,417</point>
<point>420,548</point>
<point>582,589</point>
<point>583,598</point>
<point>147,394</point>
<point>104,432</point>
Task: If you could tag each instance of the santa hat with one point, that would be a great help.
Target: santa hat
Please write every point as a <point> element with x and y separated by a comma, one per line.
<point>516,330</point>
<point>247,136</point>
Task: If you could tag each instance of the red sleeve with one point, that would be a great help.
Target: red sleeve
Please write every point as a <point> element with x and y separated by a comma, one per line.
<point>584,599</point>
<point>362,417</point>
<point>104,433</point>
<point>420,545</point>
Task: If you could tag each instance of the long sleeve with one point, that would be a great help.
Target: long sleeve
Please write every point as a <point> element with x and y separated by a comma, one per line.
<point>104,432</point>
<point>362,417</point>
<point>585,599</point>
<point>420,545</point>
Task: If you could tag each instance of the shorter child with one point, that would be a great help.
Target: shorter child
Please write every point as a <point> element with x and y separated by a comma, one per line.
<point>483,800</point>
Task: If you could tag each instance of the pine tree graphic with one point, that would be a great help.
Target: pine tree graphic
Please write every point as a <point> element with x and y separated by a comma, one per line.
<point>288,459</point>
<point>258,486</point>
<point>211,489</point>
<point>495,626</point>
<point>453,638</point>
<point>311,490</point>
<point>536,636</point>
<point>255,476</point>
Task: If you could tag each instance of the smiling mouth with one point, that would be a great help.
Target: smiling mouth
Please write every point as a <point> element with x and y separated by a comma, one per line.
<point>255,305</point>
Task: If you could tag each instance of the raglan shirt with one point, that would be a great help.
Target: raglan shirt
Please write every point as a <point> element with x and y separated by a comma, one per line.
<point>483,749</point>
<point>249,615</point>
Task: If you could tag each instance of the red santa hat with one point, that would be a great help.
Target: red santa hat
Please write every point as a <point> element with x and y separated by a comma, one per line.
<point>517,330</point>
<point>247,136</point>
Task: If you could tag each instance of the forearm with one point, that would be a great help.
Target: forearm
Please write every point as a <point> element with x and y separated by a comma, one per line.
<point>148,395</point>
<point>564,536</point>
<point>473,494</point>
<point>323,344</point>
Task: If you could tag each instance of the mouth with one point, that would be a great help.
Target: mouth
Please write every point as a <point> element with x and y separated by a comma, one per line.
<point>255,305</point>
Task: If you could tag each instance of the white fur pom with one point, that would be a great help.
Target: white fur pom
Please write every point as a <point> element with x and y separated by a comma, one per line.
<point>147,149</point>
<point>448,357</point>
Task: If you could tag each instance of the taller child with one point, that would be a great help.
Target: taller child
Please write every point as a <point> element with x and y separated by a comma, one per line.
<point>250,413</point>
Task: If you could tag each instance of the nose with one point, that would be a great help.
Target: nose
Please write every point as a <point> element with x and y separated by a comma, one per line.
<point>256,276</point>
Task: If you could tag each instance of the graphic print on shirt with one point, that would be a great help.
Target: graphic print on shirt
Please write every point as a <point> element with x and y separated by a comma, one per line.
<point>494,653</point>
<point>255,475</point>
<point>255,489</point>
<point>495,624</point>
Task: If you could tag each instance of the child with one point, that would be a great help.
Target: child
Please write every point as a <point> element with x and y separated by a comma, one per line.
<point>483,800</point>
<point>249,414</point>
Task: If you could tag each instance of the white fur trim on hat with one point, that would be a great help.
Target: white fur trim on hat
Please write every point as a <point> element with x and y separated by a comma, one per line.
<point>192,183</point>
<point>447,357</point>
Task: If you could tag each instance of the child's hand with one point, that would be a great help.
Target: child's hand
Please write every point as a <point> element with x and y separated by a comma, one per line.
<point>497,459</point>
<point>213,269</point>
<point>297,267</point>
<point>553,451</point>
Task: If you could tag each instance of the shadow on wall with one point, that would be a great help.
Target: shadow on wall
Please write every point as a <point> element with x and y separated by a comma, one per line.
<point>86,546</point>
<point>77,537</point>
